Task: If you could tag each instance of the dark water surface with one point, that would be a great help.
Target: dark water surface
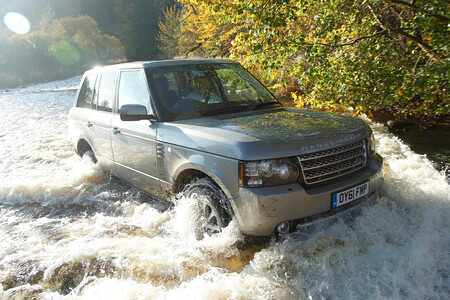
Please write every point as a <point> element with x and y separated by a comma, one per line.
<point>435,143</point>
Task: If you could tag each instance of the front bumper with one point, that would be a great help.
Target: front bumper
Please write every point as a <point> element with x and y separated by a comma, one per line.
<point>259,210</point>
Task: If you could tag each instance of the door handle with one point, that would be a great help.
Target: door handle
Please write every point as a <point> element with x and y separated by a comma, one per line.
<point>115,130</point>
<point>89,124</point>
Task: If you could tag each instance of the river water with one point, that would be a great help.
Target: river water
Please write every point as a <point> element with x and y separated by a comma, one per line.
<point>69,231</point>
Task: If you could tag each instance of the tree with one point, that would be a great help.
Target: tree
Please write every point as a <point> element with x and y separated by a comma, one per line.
<point>193,29</point>
<point>83,33</point>
<point>169,34</point>
<point>369,55</point>
<point>138,23</point>
<point>62,47</point>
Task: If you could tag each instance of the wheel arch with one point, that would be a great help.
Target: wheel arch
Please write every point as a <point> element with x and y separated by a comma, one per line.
<point>185,177</point>
<point>185,166</point>
<point>83,146</point>
<point>187,174</point>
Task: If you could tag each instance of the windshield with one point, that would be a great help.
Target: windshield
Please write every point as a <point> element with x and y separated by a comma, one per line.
<point>191,91</point>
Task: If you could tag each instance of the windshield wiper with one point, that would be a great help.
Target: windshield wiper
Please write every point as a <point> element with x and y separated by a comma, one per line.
<point>226,110</point>
<point>259,105</point>
<point>239,108</point>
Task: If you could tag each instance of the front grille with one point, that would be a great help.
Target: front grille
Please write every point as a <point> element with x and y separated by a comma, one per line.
<point>329,164</point>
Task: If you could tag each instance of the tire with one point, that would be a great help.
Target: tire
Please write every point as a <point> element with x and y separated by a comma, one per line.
<point>212,212</point>
<point>90,154</point>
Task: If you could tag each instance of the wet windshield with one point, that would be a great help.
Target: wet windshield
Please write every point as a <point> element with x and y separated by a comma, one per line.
<point>190,91</point>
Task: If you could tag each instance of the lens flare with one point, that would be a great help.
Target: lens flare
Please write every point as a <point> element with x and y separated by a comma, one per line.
<point>16,22</point>
<point>66,53</point>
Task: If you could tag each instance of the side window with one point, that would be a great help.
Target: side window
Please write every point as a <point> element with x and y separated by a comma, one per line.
<point>86,93</point>
<point>133,89</point>
<point>106,91</point>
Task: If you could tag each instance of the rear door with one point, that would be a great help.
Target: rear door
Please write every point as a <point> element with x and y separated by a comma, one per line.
<point>83,111</point>
<point>134,142</point>
<point>100,122</point>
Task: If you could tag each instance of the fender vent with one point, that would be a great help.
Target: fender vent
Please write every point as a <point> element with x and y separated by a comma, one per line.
<point>329,164</point>
<point>162,162</point>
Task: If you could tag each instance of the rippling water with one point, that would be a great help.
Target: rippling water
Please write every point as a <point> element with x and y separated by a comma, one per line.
<point>69,231</point>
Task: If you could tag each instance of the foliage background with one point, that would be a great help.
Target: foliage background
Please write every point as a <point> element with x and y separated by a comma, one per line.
<point>362,55</point>
<point>68,37</point>
<point>387,55</point>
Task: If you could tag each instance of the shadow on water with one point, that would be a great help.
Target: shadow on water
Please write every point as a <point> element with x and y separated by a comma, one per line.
<point>435,143</point>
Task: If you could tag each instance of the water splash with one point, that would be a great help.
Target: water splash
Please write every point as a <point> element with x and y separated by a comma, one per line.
<point>69,231</point>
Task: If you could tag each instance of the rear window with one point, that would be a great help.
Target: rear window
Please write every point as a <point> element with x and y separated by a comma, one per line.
<point>87,91</point>
<point>106,91</point>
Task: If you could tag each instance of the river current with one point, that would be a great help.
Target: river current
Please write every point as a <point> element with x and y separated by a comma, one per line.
<point>69,231</point>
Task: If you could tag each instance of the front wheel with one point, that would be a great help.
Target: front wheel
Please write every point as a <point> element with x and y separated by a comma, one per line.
<point>212,212</point>
<point>91,156</point>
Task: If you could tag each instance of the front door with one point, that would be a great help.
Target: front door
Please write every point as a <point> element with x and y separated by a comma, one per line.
<point>134,142</point>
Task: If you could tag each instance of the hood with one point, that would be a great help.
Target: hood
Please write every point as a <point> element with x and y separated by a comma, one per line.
<point>265,134</point>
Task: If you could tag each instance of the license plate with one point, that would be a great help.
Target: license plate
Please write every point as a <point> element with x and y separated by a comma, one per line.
<point>350,195</point>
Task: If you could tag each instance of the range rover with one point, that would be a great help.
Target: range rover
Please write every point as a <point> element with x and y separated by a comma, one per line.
<point>210,130</point>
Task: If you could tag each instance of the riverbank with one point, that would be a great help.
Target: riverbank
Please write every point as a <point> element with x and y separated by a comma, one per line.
<point>8,81</point>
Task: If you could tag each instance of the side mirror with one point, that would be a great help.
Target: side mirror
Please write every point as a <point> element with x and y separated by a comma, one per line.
<point>134,112</point>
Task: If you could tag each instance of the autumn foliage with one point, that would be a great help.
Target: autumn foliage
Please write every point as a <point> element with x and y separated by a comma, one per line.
<point>364,55</point>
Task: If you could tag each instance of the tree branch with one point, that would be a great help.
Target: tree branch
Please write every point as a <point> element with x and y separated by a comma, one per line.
<point>350,43</point>
<point>425,47</point>
<point>196,47</point>
<point>362,38</point>
<point>416,8</point>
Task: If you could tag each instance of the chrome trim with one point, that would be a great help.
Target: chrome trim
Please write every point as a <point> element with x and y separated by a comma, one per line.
<point>332,151</point>
<point>329,164</point>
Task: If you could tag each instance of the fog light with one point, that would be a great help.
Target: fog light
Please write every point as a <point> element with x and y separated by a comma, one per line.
<point>283,228</point>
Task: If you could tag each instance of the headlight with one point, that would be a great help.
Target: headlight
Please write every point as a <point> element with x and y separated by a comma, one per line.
<point>371,146</point>
<point>268,172</point>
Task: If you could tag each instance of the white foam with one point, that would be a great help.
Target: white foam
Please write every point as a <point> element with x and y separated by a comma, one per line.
<point>60,213</point>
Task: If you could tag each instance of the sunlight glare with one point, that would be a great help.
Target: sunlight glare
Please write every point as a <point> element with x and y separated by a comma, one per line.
<point>16,22</point>
<point>66,53</point>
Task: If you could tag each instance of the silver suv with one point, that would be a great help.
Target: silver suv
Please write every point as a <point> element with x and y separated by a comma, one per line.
<point>209,129</point>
